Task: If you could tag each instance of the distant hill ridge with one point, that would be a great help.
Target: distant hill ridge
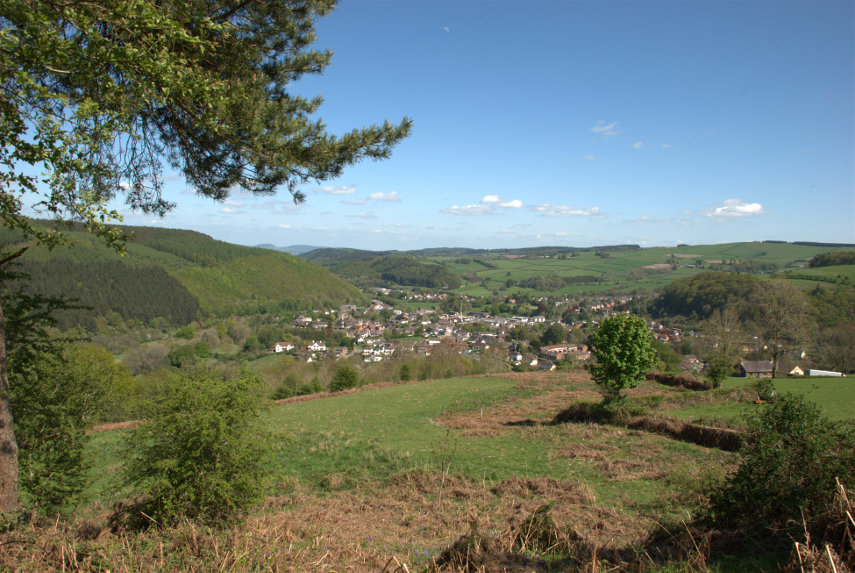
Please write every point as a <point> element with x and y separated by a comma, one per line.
<point>186,275</point>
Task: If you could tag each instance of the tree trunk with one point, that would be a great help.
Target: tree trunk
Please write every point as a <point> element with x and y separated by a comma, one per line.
<point>8,445</point>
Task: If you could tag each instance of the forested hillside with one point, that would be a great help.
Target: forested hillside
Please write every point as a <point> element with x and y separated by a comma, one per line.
<point>176,275</point>
<point>368,268</point>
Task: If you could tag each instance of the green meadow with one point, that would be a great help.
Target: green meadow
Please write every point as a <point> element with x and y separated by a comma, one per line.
<point>638,270</point>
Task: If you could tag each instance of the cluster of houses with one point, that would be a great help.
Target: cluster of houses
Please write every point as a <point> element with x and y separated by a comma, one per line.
<point>473,332</point>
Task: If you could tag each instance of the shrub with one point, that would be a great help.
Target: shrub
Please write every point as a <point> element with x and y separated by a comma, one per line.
<point>345,377</point>
<point>57,395</point>
<point>790,457</point>
<point>718,368</point>
<point>200,454</point>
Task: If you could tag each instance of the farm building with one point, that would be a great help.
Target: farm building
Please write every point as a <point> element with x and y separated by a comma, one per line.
<point>756,368</point>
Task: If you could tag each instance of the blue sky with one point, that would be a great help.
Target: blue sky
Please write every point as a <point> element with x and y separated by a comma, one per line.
<point>574,123</point>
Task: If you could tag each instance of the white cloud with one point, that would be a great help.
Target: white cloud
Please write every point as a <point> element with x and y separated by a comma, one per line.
<point>638,145</point>
<point>469,210</point>
<point>341,190</point>
<point>446,28</point>
<point>284,226</point>
<point>355,201</point>
<point>497,201</point>
<point>735,208</point>
<point>605,130</point>
<point>229,210</point>
<point>549,210</point>
<point>666,146</point>
<point>589,157</point>
<point>364,215</point>
<point>388,197</point>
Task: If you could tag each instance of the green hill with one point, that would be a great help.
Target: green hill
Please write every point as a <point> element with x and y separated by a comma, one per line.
<point>608,269</point>
<point>178,275</point>
<point>370,268</point>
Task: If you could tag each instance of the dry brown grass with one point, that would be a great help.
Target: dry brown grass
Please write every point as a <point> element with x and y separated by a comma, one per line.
<point>401,525</point>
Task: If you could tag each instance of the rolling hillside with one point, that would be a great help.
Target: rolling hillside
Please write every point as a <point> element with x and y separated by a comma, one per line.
<point>180,275</point>
<point>549,271</point>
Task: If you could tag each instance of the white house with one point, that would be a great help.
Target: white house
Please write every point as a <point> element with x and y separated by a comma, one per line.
<point>283,347</point>
<point>317,347</point>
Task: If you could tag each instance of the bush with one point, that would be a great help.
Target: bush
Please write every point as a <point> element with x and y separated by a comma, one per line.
<point>790,457</point>
<point>345,377</point>
<point>57,395</point>
<point>718,368</point>
<point>200,454</point>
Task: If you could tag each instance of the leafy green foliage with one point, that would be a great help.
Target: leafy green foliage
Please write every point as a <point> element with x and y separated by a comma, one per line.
<point>57,395</point>
<point>554,334</point>
<point>789,460</point>
<point>345,377</point>
<point>201,452</point>
<point>701,294</point>
<point>622,345</point>
<point>718,368</point>
<point>833,259</point>
<point>101,93</point>
<point>668,360</point>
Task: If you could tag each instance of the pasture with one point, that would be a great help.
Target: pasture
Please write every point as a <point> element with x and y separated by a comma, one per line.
<point>401,471</point>
<point>635,270</point>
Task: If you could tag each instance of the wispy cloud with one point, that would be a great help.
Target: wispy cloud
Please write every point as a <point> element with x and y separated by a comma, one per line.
<point>284,226</point>
<point>638,145</point>
<point>337,190</point>
<point>364,215</point>
<point>355,201</point>
<point>606,130</point>
<point>549,210</point>
<point>589,157</point>
<point>734,208</point>
<point>666,146</point>
<point>391,197</point>
<point>649,219</point>
<point>469,210</point>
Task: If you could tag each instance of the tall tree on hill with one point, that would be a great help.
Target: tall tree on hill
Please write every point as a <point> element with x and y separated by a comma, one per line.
<point>782,318</point>
<point>99,96</point>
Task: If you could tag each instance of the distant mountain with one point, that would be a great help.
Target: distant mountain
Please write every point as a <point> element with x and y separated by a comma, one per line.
<point>178,275</point>
<point>296,250</point>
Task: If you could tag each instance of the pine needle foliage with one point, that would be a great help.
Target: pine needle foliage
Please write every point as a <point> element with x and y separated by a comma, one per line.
<point>200,455</point>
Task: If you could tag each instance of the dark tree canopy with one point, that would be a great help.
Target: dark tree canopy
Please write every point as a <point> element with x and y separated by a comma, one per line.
<point>100,95</point>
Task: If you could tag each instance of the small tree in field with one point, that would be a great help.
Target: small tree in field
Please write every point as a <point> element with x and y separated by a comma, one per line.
<point>200,454</point>
<point>624,351</point>
<point>345,377</point>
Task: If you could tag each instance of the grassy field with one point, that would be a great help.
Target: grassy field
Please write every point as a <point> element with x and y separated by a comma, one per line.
<point>401,471</point>
<point>639,270</point>
<point>834,396</point>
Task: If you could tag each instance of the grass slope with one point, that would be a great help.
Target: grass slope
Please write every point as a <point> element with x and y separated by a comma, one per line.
<point>403,470</point>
